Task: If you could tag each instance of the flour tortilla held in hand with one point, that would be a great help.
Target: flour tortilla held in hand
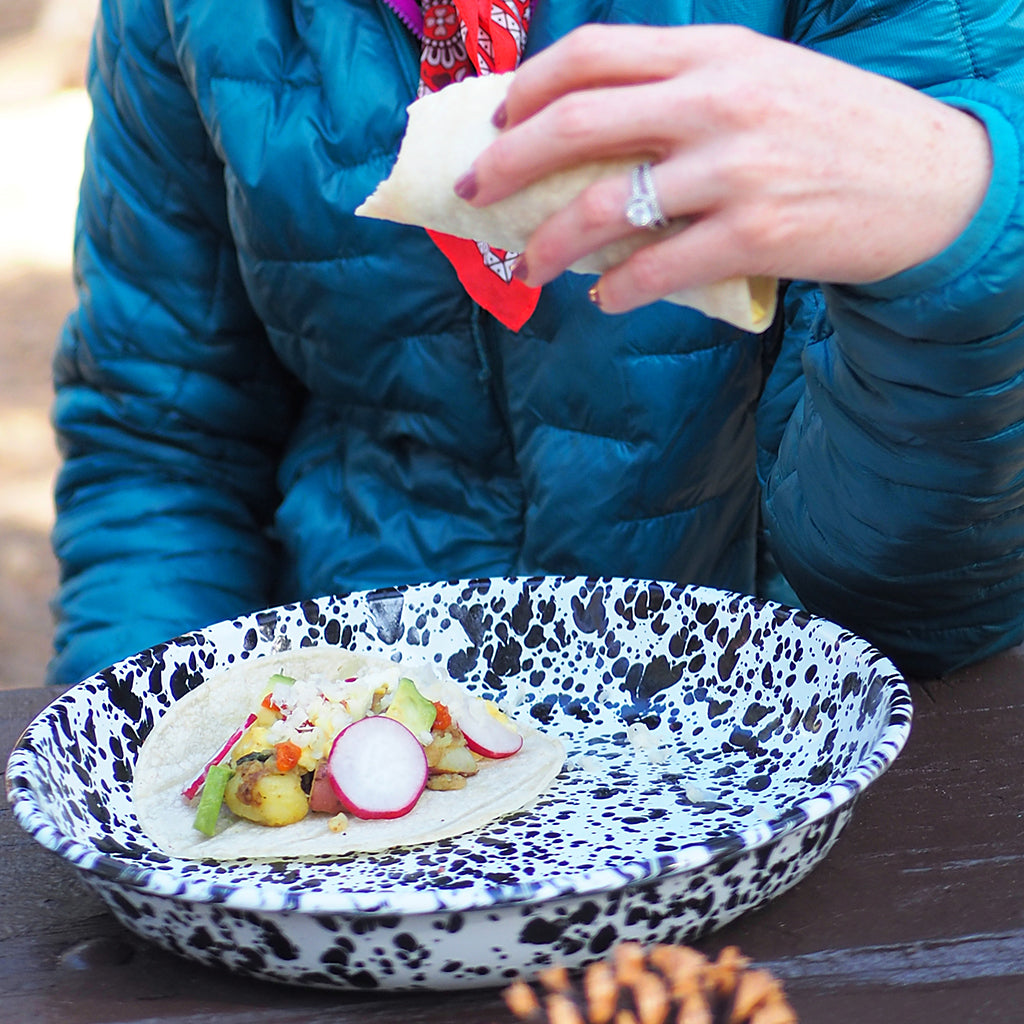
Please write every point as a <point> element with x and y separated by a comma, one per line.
<point>448,129</point>
<point>196,727</point>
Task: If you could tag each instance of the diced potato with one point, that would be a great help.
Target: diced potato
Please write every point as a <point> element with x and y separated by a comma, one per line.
<point>447,752</point>
<point>259,793</point>
<point>438,744</point>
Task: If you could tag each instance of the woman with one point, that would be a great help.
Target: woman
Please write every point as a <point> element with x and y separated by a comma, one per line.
<point>262,397</point>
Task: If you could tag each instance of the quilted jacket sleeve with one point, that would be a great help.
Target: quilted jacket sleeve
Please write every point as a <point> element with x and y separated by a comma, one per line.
<point>896,502</point>
<point>170,407</point>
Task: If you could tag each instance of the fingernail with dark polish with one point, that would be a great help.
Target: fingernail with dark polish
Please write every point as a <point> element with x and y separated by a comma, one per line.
<point>519,269</point>
<point>466,186</point>
<point>500,117</point>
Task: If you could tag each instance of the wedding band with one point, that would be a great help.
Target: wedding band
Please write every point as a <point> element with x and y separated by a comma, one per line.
<point>643,209</point>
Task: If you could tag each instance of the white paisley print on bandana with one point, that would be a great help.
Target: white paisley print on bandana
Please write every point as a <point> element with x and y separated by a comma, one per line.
<point>443,59</point>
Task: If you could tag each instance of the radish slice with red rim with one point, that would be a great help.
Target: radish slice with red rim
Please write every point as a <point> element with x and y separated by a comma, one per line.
<point>487,730</point>
<point>378,768</point>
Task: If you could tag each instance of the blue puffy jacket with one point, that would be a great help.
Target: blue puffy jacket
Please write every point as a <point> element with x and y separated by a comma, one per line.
<point>261,397</point>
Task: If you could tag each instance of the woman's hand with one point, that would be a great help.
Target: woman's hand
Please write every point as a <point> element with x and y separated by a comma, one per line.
<point>786,163</point>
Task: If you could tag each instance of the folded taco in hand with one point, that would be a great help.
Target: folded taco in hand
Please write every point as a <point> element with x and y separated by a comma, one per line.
<point>447,130</point>
<point>322,751</point>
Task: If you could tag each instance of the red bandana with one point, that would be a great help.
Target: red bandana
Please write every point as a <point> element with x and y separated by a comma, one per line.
<point>467,37</point>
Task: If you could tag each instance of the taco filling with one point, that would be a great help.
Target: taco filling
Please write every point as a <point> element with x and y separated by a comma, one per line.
<point>323,752</point>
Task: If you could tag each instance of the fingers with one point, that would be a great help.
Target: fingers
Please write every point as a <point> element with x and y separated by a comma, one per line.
<point>591,57</point>
<point>704,252</point>
<point>588,224</point>
<point>644,121</point>
<point>597,217</point>
<point>604,92</point>
<point>613,92</point>
<point>583,127</point>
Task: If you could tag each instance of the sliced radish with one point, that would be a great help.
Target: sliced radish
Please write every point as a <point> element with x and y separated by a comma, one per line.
<point>197,783</point>
<point>378,768</point>
<point>487,730</point>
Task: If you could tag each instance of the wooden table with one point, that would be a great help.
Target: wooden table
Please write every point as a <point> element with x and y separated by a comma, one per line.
<point>916,917</point>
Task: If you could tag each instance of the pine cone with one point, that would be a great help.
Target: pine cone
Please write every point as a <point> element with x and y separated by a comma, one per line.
<point>668,985</point>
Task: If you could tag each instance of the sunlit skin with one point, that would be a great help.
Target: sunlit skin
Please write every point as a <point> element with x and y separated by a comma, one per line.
<point>787,163</point>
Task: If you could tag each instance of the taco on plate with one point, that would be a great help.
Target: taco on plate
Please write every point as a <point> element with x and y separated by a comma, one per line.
<point>323,751</point>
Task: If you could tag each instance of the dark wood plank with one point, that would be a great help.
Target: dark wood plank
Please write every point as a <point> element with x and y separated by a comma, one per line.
<point>916,916</point>
<point>920,902</point>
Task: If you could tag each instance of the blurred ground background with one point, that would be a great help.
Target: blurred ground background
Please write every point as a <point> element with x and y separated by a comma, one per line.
<point>43,120</point>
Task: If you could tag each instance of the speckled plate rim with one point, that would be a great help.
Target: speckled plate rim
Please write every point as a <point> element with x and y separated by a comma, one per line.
<point>272,897</point>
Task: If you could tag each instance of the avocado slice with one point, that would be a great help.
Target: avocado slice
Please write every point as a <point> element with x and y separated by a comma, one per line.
<point>411,708</point>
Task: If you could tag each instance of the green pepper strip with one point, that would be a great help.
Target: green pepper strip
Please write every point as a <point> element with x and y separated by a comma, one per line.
<point>211,798</point>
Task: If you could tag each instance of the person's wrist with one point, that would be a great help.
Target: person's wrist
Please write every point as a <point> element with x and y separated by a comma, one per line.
<point>960,188</point>
<point>974,288</point>
<point>978,240</point>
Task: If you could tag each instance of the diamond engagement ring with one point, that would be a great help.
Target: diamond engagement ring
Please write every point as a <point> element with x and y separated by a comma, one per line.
<point>643,209</point>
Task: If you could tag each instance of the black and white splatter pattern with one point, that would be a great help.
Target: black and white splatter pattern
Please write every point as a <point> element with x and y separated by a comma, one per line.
<point>717,745</point>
